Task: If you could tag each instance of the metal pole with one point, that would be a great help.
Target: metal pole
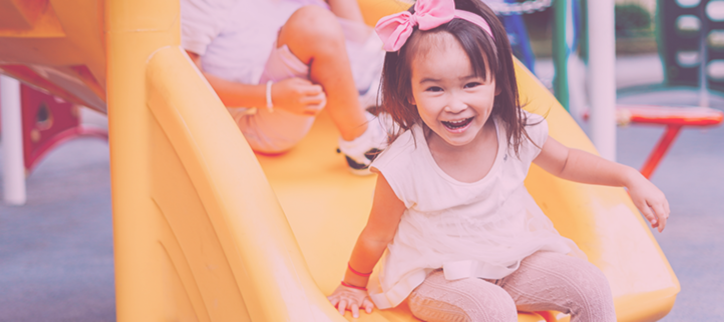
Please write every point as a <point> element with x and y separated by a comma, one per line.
<point>602,81</point>
<point>560,53</point>
<point>12,142</point>
<point>703,81</point>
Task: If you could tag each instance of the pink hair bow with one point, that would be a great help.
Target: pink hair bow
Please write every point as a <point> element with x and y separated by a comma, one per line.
<point>429,14</point>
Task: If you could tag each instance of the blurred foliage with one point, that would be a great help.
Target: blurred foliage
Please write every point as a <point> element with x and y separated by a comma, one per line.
<point>634,30</point>
<point>631,19</point>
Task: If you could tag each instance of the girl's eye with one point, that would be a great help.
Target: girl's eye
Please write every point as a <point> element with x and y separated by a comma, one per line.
<point>434,89</point>
<point>472,84</point>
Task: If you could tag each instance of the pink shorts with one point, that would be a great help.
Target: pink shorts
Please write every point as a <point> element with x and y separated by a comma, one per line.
<point>278,131</point>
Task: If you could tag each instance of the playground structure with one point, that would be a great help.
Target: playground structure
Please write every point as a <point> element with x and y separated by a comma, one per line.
<point>205,230</point>
<point>45,122</point>
<point>48,120</point>
<point>692,54</point>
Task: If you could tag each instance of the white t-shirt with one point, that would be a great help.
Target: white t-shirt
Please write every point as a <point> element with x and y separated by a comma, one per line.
<point>235,38</point>
<point>481,229</point>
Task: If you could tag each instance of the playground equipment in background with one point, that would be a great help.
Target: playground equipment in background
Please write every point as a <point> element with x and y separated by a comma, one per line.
<point>691,50</point>
<point>68,62</point>
<point>691,46</point>
<point>206,230</point>
<point>509,12</point>
<point>47,121</point>
<point>566,33</point>
<point>673,118</point>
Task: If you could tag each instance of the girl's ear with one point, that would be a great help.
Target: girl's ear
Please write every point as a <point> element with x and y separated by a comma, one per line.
<point>498,90</point>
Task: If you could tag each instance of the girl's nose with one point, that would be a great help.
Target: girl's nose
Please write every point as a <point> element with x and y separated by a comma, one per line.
<point>455,105</point>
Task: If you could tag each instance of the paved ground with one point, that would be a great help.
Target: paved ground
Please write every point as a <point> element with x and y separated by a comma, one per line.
<point>56,253</point>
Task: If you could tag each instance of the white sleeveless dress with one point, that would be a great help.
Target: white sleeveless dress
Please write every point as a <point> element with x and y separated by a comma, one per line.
<point>481,229</point>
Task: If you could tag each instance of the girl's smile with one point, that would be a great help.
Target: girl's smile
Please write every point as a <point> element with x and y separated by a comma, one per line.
<point>452,101</point>
<point>458,126</point>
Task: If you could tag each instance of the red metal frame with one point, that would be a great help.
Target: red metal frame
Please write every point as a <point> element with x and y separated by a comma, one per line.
<point>62,124</point>
<point>675,118</point>
<point>660,150</point>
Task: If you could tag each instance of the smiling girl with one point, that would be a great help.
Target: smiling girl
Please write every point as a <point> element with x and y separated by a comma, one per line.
<point>465,240</point>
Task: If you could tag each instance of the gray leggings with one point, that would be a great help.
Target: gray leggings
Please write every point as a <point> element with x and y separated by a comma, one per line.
<point>544,281</point>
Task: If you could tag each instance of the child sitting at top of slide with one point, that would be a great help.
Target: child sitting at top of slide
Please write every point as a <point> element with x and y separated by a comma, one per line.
<point>465,240</point>
<point>290,59</point>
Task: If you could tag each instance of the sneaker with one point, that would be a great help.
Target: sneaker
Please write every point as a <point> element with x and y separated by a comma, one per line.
<point>361,151</point>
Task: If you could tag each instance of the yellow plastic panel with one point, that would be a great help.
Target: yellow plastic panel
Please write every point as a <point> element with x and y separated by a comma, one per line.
<point>29,18</point>
<point>327,208</point>
<point>234,236</point>
<point>327,220</point>
<point>198,232</point>
<point>198,251</point>
<point>373,10</point>
<point>20,15</point>
<point>601,220</point>
<point>144,249</point>
<point>57,42</point>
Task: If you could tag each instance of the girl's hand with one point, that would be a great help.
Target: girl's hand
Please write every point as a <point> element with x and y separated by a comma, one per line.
<point>347,298</point>
<point>650,201</point>
<point>298,96</point>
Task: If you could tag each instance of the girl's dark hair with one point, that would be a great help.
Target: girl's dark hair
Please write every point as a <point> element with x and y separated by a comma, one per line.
<point>396,86</point>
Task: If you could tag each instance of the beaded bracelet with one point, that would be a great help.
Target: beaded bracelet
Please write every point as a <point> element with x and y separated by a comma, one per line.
<point>353,286</point>
<point>356,272</point>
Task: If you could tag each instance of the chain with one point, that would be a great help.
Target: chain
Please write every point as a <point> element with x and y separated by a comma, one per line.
<point>519,8</point>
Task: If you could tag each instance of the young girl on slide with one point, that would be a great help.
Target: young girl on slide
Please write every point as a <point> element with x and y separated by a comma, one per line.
<point>465,240</point>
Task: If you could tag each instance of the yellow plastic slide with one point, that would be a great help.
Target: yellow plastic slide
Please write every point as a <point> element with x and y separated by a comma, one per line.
<point>205,230</point>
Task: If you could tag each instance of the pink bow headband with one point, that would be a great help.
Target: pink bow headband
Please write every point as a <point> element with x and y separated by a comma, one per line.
<point>429,14</point>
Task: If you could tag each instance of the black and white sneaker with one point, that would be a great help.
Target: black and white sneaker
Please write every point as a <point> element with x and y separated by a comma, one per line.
<point>361,151</point>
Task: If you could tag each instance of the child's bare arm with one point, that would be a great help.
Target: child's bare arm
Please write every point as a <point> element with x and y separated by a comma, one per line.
<point>296,95</point>
<point>384,218</point>
<point>347,9</point>
<point>584,167</point>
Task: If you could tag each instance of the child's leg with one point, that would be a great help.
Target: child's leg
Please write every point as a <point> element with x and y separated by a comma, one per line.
<point>314,35</point>
<point>280,130</point>
<point>304,49</point>
<point>469,300</point>
<point>552,281</point>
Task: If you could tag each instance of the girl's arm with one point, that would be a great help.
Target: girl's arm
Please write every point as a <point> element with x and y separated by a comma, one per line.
<point>295,95</point>
<point>381,226</point>
<point>584,167</point>
<point>347,9</point>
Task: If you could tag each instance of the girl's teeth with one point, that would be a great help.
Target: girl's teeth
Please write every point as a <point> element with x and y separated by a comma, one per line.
<point>457,124</point>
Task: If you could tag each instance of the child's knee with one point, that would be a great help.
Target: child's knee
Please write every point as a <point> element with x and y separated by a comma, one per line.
<point>471,300</point>
<point>592,296</point>
<point>315,23</point>
<point>594,279</point>
<point>567,284</point>
<point>578,274</point>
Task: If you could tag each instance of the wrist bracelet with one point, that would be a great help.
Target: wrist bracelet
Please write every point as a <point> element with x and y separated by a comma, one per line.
<point>356,272</point>
<point>353,286</point>
<point>269,105</point>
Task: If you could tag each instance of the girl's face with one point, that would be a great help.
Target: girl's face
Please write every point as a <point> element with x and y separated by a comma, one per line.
<point>451,100</point>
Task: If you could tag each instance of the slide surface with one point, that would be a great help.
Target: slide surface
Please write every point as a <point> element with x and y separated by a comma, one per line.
<point>205,230</point>
<point>327,208</point>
